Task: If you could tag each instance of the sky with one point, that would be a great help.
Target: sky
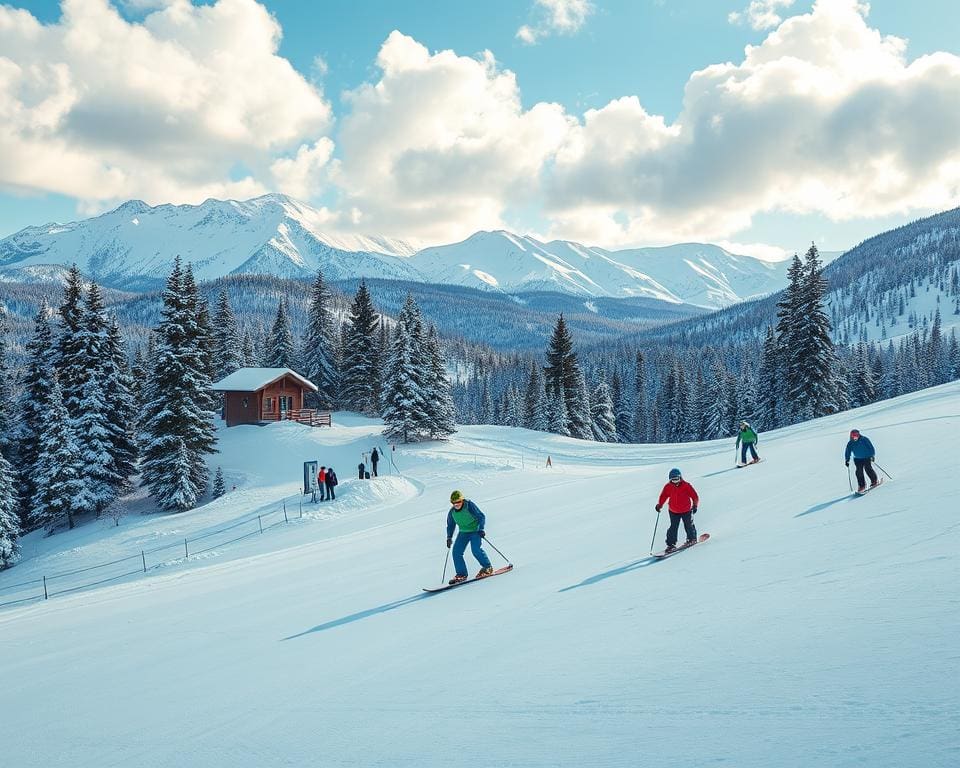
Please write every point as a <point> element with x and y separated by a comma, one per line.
<point>761,125</point>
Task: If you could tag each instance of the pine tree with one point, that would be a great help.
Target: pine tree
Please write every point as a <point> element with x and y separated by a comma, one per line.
<point>562,374</point>
<point>580,422</point>
<point>9,519</point>
<point>603,424</point>
<point>71,360</point>
<point>38,381</point>
<point>557,418</point>
<point>122,408</point>
<point>441,420</point>
<point>405,407</point>
<point>815,357</point>
<point>770,383</point>
<point>227,342</point>
<point>534,405</point>
<point>359,382</point>
<point>622,409</point>
<point>58,481</point>
<point>219,487</point>
<point>319,347</point>
<point>6,433</point>
<point>281,351</point>
<point>178,424</point>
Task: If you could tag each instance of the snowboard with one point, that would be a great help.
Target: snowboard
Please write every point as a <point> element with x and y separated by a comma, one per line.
<point>867,490</point>
<point>665,555</point>
<point>741,466</point>
<point>443,587</point>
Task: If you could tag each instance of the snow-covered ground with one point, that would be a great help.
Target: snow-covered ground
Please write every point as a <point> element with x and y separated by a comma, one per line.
<point>814,629</point>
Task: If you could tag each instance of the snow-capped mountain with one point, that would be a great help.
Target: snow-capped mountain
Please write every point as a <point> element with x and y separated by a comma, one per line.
<point>274,234</point>
<point>133,247</point>
<point>690,273</point>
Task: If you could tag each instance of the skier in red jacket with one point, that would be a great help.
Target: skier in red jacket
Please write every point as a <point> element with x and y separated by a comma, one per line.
<point>682,504</point>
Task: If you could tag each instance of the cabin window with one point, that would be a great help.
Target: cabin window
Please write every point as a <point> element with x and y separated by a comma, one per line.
<point>245,403</point>
<point>268,404</point>
<point>286,403</point>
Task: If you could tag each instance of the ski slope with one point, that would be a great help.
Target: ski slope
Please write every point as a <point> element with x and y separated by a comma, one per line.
<point>814,629</point>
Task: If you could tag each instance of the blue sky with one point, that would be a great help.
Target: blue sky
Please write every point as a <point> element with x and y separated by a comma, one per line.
<point>578,127</point>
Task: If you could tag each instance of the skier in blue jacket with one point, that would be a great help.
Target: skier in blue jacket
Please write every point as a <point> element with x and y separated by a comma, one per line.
<point>863,452</point>
<point>465,515</point>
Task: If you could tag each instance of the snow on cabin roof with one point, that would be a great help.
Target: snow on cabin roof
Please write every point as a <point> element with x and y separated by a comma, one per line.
<point>252,379</point>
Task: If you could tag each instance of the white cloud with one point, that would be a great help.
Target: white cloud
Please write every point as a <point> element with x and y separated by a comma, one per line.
<point>440,145</point>
<point>564,17</point>
<point>103,109</point>
<point>826,115</point>
<point>760,14</point>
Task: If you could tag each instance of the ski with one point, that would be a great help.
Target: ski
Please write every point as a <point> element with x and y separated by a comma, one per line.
<point>869,488</point>
<point>681,548</point>
<point>741,466</point>
<point>443,587</point>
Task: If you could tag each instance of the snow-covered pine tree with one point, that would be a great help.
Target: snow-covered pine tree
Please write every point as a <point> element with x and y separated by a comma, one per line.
<point>747,396</point>
<point>57,473</point>
<point>37,382</point>
<point>580,423</point>
<point>405,407</point>
<point>359,376</point>
<point>178,421</point>
<point>770,383</point>
<point>789,329</point>
<point>440,411</point>
<point>816,359</point>
<point>281,352</point>
<point>71,359</point>
<point>227,342</point>
<point>6,431</point>
<point>715,417</point>
<point>562,373</point>
<point>9,517</point>
<point>603,424</point>
<point>250,359</point>
<point>319,344</point>
<point>699,406</point>
<point>219,487</point>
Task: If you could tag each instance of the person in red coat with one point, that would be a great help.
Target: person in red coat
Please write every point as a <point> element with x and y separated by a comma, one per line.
<point>681,500</point>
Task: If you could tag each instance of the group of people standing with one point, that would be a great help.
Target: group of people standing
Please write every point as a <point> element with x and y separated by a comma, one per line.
<point>678,495</point>
<point>362,471</point>
<point>326,482</point>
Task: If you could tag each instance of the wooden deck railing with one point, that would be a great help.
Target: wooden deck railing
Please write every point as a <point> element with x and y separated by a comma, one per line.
<point>309,416</point>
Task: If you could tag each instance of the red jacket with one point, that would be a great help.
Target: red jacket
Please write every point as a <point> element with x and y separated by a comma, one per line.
<point>322,476</point>
<point>681,496</point>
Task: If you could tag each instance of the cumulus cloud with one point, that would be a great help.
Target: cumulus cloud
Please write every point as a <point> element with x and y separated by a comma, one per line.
<point>103,109</point>
<point>760,14</point>
<point>826,115</point>
<point>564,17</point>
<point>440,145</point>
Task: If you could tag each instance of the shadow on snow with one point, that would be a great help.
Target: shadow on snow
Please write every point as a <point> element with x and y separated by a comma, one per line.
<point>614,572</point>
<point>825,504</point>
<point>361,615</point>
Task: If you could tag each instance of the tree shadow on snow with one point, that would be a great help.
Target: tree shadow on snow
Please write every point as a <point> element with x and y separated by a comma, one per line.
<point>824,505</point>
<point>361,615</point>
<point>614,572</point>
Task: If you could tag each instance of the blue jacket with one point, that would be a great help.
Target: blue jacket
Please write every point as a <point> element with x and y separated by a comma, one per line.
<point>861,449</point>
<point>470,508</point>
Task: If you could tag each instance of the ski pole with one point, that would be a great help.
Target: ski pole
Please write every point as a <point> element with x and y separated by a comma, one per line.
<point>882,469</point>
<point>736,456</point>
<point>652,540</point>
<point>505,558</point>
<point>446,560</point>
<point>849,481</point>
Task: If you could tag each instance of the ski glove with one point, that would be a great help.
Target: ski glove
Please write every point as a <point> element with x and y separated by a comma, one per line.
<point>658,507</point>
<point>482,534</point>
<point>449,542</point>
<point>693,511</point>
<point>847,463</point>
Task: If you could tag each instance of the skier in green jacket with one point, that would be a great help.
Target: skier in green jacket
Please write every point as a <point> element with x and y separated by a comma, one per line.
<point>466,516</point>
<point>747,438</point>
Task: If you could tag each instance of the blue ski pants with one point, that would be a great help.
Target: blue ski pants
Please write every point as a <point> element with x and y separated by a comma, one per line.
<point>460,545</point>
<point>743,451</point>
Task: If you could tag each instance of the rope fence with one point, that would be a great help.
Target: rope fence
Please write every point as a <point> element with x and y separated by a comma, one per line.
<point>63,582</point>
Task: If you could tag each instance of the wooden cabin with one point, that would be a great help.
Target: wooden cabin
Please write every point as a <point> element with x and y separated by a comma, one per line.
<point>257,395</point>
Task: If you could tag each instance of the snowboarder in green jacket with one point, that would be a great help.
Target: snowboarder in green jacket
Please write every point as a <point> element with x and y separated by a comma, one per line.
<point>747,438</point>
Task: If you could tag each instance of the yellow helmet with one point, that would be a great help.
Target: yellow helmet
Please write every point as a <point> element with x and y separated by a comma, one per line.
<point>455,497</point>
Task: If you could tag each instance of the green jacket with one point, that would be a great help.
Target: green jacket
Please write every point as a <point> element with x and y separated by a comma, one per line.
<point>748,436</point>
<point>469,519</point>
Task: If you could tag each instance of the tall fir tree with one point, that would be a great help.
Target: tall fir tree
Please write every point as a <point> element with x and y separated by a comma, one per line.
<point>534,401</point>
<point>562,374</point>
<point>319,344</point>
<point>122,408</point>
<point>441,420</point>
<point>360,375</point>
<point>58,470</point>
<point>788,332</point>
<point>71,359</point>
<point>406,410</point>
<point>557,419</point>
<point>603,425</point>
<point>815,357</point>
<point>281,352</point>
<point>6,425</point>
<point>622,409</point>
<point>641,431</point>
<point>178,426</point>
<point>227,341</point>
